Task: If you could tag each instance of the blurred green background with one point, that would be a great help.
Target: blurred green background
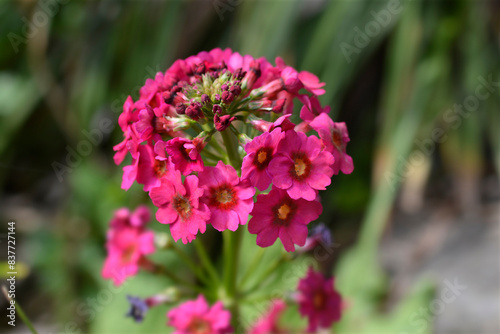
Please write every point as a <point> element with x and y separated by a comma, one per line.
<point>417,83</point>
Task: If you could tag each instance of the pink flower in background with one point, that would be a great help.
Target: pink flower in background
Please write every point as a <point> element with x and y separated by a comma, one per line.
<point>197,317</point>
<point>335,138</point>
<point>278,215</point>
<point>300,167</point>
<point>179,205</point>
<point>126,247</point>
<point>319,301</point>
<point>230,199</point>
<point>260,152</point>
<point>268,324</point>
<point>123,218</point>
<point>185,155</point>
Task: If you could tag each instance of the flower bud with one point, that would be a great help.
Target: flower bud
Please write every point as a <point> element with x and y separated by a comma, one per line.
<point>223,122</point>
<point>205,98</point>
<point>227,97</point>
<point>235,90</point>
<point>217,109</point>
<point>180,108</point>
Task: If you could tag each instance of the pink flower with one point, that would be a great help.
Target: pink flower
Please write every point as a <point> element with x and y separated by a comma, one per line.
<point>283,122</point>
<point>123,218</point>
<point>300,167</point>
<point>125,120</point>
<point>278,215</point>
<point>230,199</point>
<point>335,138</point>
<point>197,317</point>
<point>311,108</point>
<point>185,155</point>
<point>179,205</point>
<point>318,300</point>
<point>269,323</point>
<point>145,169</point>
<point>260,152</point>
<point>311,83</point>
<point>126,247</point>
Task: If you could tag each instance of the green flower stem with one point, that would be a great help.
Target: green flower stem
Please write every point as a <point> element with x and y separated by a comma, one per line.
<point>205,260</point>
<point>251,267</point>
<point>232,242</point>
<point>231,143</point>
<point>156,268</point>
<point>263,278</point>
<point>20,311</point>
<point>194,268</point>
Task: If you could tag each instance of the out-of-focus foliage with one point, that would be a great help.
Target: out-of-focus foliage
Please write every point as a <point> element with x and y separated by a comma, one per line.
<point>394,71</point>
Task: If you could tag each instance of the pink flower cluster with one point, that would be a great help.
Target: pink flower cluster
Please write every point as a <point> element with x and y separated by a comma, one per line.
<point>127,244</point>
<point>172,133</point>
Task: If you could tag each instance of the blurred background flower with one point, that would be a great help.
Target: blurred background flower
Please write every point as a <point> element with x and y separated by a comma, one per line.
<point>416,225</point>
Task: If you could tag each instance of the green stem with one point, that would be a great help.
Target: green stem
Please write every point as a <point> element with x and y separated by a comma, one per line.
<point>232,242</point>
<point>162,270</point>
<point>263,278</point>
<point>205,260</point>
<point>231,143</point>
<point>20,311</point>
<point>194,268</point>
<point>251,268</point>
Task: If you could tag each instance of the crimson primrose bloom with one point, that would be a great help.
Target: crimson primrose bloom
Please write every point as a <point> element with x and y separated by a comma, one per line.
<point>300,166</point>
<point>146,169</point>
<point>179,205</point>
<point>318,300</point>
<point>197,317</point>
<point>260,152</point>
<point>229,199</point>
<point>185,155</point>
<point>335,138</point>
<point>126,247</point>
<point>278,215</point>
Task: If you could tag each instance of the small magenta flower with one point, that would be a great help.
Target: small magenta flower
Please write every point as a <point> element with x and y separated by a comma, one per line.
<point>230,199</point>
<point>123,218</point>
<point>145,169</point>
<point>278,215</point>
<point>126,247</point>
<point>185,155</point>
<point>179,205</point>
<point>268,324</point>
<point>300,167</point>
<point>318,300</point>
<point>335,138</point>
<point>260,152</point>
<point>311,83</point>
<point>197,317</point>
